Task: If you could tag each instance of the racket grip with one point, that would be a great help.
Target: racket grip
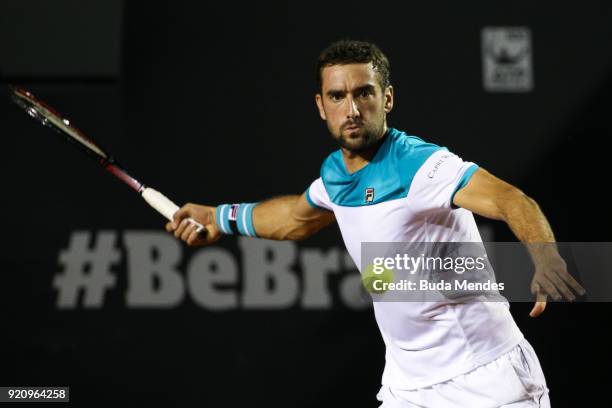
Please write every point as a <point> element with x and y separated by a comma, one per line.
<point>165,206</point>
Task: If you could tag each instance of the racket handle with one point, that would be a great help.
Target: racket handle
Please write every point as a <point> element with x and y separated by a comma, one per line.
<point>165,206</point>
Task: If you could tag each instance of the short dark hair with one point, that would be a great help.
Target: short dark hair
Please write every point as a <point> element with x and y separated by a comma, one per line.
<point>355,52</point>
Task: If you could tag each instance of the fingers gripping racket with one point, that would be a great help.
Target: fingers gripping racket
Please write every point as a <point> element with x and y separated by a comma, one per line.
<point>49,117</point>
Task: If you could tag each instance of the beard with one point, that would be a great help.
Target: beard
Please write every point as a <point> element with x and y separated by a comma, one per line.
<point>361,139</point>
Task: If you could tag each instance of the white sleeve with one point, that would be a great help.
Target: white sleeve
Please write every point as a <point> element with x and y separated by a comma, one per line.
<point>317,197</point>
<point>438,179</point>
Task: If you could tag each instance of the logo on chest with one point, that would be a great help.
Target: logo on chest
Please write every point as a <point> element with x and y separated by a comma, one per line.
<point>369,195</point>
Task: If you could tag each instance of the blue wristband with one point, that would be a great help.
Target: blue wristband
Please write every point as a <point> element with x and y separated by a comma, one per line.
<point>236,219</point>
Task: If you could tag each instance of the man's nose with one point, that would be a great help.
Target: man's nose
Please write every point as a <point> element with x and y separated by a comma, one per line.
<point>353,109</point>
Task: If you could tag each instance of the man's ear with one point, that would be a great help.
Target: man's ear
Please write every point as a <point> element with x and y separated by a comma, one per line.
<point>388,99</point>
<point>319,101</point>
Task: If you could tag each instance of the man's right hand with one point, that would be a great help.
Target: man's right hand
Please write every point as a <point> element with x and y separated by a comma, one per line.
<point>186,231</point>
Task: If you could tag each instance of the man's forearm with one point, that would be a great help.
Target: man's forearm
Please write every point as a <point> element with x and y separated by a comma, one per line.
<point>491,197</point>
<point>278,219</point>
<point>529,224</point>
<point>551,277</point>
<point>272,218</point>
<point>525,218</point>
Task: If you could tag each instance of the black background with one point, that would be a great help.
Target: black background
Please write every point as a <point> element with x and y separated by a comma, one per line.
<point>214,103</point>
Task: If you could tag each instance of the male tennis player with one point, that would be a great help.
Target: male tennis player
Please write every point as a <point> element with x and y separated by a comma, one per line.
<point>384,185</point>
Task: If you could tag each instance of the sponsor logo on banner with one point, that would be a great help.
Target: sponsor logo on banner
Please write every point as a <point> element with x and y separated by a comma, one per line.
<point>506,59</point>
<point>153,270</point>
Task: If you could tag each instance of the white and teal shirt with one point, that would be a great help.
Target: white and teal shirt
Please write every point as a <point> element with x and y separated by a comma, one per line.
<point>404,194</point>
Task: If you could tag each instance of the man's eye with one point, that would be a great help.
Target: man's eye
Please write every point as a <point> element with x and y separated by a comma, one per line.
<point>336,98</point>
<point>365,93</point>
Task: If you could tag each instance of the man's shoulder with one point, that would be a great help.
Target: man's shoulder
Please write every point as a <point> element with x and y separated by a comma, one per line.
<point>408,149</point>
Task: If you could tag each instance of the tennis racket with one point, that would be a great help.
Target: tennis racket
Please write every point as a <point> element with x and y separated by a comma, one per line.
<point>49,117</point>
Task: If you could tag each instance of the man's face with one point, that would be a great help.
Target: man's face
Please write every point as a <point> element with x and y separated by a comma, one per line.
<point>353,105</point>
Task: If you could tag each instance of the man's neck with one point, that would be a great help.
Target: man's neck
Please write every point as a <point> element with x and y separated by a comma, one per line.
<point>355,161</point>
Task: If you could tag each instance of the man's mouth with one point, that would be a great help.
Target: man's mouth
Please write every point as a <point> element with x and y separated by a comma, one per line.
<point>352,127</point>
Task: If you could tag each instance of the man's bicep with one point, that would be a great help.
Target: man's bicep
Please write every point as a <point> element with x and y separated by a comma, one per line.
<point>482,194</point>
<point>305,211</point>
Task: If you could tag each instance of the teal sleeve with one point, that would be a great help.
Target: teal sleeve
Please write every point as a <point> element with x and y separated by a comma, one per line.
<point>463,182</point>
